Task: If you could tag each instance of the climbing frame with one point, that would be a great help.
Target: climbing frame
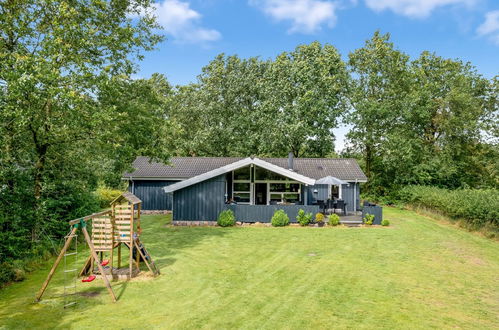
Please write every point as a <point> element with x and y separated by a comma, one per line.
<point>110,230</point>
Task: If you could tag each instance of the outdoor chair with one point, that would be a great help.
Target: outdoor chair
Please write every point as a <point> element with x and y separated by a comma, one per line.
<point>340,204</point>
<point>322,206</point>
<point>330,205</point>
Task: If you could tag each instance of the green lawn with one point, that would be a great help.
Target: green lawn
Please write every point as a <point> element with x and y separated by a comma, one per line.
<point>418,273</point>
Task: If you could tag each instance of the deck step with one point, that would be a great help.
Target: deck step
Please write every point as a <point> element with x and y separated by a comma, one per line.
<point>351,223</point>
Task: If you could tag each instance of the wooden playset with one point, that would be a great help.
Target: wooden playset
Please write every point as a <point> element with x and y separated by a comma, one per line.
<point>111,230</point>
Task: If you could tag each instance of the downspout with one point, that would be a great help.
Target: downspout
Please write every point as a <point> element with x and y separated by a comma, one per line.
<point>133,185</point>
<point>355,198</point>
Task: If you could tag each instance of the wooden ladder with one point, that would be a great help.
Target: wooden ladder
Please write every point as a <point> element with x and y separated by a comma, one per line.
<point>146,257</point>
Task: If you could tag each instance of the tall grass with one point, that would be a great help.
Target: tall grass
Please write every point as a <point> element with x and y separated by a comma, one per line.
<point>477,207</point>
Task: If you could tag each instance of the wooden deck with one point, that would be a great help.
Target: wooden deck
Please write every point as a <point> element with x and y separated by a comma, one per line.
<point>118,273</point>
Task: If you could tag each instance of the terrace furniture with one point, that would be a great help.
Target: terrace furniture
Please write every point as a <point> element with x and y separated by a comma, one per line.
<point>331,204</point>
<point>322,205</point>
<point>340,204</point>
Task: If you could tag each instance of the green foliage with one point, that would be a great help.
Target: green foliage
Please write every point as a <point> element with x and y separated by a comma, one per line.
<point>277,101</point>
<point>426,121</point>
<point>71,116</point>
<point>334,219</point>
<point>226,218</point>
<point>280,219</point>
<point>303,218</point>
<point>319,217</point>
<point>385,222</point>
<point>368,219</point>
<point>106,196</point>
<point>477,207</point>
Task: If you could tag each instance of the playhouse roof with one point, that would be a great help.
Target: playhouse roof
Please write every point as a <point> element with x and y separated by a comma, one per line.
<point>127,196</point>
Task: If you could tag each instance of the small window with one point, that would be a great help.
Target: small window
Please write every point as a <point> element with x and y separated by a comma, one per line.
<point>265,175</point>
<point>241,186</point>
<point>285,187</point>
<point>242,174</point>
<point>241,197</point>
<point>291,198</point>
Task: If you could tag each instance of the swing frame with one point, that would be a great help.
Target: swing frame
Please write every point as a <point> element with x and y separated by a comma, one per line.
<point>76,224</point>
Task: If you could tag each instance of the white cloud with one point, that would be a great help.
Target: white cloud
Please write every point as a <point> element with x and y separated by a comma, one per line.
<point>414,8</point>
<point>490,27</point>
<point>182,22</point>
<point>306,16</point>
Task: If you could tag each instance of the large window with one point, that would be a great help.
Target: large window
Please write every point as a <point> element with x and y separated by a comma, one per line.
<point>284,192</point>
<point>242,185</point>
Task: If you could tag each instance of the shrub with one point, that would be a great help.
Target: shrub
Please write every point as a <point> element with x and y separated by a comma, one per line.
<point>280,219</point>
<point>369,219</point>
<point>226,219</point>
<point>319,217</point>
<point>7,273</point>
<point>385,222</point>
<point>106,196</point>
<point>303,218</point>
<point>334,219</point>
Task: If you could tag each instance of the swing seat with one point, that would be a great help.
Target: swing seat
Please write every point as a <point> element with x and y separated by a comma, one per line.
<point>89,279</point>
<point>104,263</point>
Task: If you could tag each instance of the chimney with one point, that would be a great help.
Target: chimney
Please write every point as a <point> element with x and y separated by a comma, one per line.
<point>290,161</point>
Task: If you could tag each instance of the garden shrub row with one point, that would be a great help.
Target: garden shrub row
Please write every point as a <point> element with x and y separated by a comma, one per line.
<point>478,207</point>
<point>226,218</point>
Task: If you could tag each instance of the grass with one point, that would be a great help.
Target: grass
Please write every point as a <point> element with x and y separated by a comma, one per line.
<point>417,273</point>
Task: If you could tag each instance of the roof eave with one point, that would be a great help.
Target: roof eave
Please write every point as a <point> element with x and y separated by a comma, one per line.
<point>236,165</point>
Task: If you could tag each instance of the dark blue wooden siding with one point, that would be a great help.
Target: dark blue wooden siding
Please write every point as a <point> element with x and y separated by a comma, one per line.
<point>152,194</point>
<point>347,194</point>
<point>200,202</point>
<point>264,213</point>
<point>321,194</point>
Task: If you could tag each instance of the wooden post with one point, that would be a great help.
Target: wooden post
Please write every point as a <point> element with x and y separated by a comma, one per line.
<point>131,241</point>
<point>96,258</point>
<point>113,223</point>
<point>119,256</point>
<point>139,228</point>
<point>56,263</point>
<point>137,256</point>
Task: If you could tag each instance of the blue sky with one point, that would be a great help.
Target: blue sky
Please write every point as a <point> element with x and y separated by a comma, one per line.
<point>198,30</point>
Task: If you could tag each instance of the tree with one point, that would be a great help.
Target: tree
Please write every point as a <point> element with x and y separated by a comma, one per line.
<point>55,57</point>
<point>139,123</point>
<point>305,92</point>
<point>380,86</point>
<point>448,105</point>
<point>242,107</point>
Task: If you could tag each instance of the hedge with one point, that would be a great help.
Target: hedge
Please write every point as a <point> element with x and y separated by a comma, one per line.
<point>478,207</point>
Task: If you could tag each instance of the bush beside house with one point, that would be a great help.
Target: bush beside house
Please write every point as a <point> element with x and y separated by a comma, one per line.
<point>303,218</point>
<point>280,219</point>
<point>226,219</point>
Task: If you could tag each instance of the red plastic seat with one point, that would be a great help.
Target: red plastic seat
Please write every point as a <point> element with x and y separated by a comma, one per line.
<point>104,263</point>
<point>89,279</point>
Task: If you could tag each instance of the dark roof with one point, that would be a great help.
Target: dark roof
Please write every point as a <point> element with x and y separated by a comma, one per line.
<point>187,167</point>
